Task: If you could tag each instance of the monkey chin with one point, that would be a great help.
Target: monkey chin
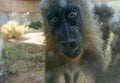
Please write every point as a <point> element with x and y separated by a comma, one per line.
<point>74,53</point>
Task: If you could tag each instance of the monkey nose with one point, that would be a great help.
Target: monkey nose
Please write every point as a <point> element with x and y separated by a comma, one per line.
<point>69,45</point>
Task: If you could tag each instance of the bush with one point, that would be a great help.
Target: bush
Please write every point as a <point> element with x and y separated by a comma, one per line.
<point>35,24</point>
<point>12,29</point>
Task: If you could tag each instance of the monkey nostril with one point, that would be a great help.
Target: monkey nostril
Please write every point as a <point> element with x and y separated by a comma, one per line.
<point>72,44</point>
<point>64,44</point>
<point>69,44</point>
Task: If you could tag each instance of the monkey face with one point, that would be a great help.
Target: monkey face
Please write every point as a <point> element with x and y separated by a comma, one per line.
<point>66,28</point>
<point>116,28</point>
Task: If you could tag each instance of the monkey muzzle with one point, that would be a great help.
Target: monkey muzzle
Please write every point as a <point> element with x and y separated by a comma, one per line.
<point>73,53</point>
<point>71,49</point>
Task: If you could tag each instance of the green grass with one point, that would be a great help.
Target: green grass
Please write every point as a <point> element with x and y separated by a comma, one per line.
<point>17,53</point>
<point>22,51</point>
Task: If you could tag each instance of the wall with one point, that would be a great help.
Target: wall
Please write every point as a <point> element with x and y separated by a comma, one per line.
<point>19,5</point>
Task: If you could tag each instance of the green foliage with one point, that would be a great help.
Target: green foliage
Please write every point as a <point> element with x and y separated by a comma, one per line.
<point>19,57</point>
<point>21,51</point>
<point>35,24</point>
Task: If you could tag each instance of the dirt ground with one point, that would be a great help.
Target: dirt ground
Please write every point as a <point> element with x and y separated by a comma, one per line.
<point>26,70</point>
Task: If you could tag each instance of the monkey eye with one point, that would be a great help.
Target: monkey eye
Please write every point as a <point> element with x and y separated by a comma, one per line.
<point>55,19</point>
<point>72,15</point>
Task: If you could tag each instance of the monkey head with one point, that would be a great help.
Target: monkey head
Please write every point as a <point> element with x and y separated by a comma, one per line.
<point>115,24</point>
<point>116,28</point>
<point>67,25</point>
<point>103,12</point>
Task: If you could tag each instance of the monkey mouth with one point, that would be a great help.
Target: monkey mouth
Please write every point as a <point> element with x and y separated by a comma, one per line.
<point>73,53</point>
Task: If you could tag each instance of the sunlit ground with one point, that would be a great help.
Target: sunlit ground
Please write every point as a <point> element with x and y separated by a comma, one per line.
<point>24,58</point>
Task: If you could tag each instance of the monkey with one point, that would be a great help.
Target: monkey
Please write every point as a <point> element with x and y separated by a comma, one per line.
<point>112,72</point>
<point>73,44</point>
<point>115,45</point>
<point>104,14</point>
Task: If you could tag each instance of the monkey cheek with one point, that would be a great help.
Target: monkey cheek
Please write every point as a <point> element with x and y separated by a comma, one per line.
<point>73,53</point>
